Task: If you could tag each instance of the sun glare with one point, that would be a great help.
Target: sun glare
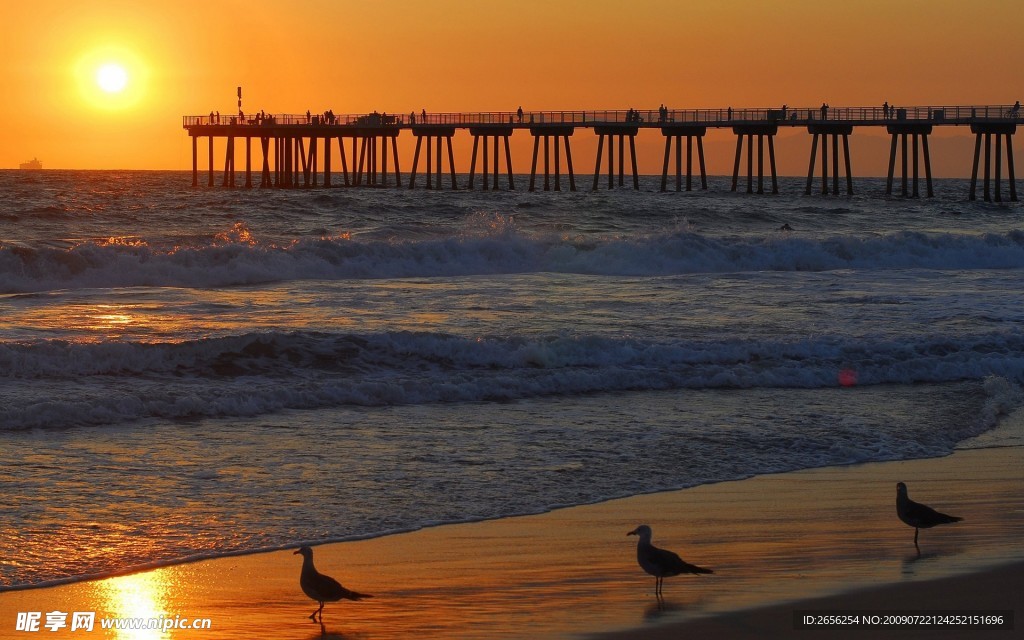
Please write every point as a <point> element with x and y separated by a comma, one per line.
<point>112,77</point>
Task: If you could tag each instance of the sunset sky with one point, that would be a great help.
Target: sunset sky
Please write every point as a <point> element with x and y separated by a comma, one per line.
<point>187,57</point>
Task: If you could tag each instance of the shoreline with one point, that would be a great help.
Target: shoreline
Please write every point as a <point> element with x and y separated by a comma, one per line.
<point>776,542</point>
<point>213,557</point>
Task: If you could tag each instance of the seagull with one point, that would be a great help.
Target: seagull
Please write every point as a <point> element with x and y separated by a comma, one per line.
<point>659,562</point>
<point>320,587</point>
<point>918,515</point>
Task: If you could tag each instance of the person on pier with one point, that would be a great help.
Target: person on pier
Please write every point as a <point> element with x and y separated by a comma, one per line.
<point>824,111</point>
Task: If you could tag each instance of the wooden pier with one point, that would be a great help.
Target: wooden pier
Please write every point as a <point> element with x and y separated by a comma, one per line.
<point>291,144</point>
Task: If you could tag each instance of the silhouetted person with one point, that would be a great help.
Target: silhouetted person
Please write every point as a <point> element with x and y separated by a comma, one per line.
<point>783,112</point>
<point>412,117</point>
<point>885,110</point>
<point>824,111</point>
<point>423,114</point>
<point>519,114</point>
<point>729,112</point>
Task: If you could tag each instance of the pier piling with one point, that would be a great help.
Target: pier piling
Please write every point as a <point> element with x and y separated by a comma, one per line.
<point>496,135</point>
<point>822,132</point>
<point>761,131</point>
<point>899,133</point>
<point>431,133</point>
<point>678,133</point>
<point>1000,131</point>
<point>549,134</point>
<point>610,132</point>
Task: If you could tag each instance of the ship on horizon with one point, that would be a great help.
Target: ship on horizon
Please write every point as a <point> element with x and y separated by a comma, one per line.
<point>32,165</point>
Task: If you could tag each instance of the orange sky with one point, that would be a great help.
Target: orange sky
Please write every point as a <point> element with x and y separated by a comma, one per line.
<point>187,57</point>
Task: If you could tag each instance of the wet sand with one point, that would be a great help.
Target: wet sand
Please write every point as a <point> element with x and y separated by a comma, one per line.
<point>775,542</point>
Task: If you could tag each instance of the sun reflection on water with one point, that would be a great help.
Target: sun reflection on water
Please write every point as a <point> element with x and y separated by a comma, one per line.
<point>142,596</point>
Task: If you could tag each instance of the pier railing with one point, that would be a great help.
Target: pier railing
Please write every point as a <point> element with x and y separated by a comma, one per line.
<point>721,117</point>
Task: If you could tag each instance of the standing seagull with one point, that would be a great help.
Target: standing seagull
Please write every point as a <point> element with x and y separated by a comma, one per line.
<point>320,587</point>
<point>659,562</point>
<point>918,515</point>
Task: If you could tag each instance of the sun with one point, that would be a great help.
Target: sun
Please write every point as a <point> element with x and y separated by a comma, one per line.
<point>112,77</point>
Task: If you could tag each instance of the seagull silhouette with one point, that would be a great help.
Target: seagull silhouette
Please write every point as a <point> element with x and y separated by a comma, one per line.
<point>918,515</point>
<point>320,587</point>
<point>660,563</point>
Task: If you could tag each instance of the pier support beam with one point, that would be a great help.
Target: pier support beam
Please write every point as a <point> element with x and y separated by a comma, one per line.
<point>369,155</point>
<point>432,133</point>
<point>265,179</point>
<point>899,133</point>
<point>762,131</point>
<point>309,161</point>
<point>559,134</point>
<point>327,161</point>
<point>248,162</point>
<point>679,132</point>
<point>999,130</point>
<point>822,132</point>
<point>344,160</point>
<point>495,134</point>
<point>195,161</point>
<point>610,132</point>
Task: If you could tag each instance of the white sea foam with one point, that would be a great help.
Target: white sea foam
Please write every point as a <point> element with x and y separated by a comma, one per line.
<point>247,375</point>
<point>230,262</point>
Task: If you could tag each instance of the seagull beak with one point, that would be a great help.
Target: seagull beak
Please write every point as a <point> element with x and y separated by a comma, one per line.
<point>632,533</point>
<point>297,553</point>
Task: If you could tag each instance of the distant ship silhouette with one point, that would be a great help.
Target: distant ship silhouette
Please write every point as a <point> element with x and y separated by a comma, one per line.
<point>32,165</point>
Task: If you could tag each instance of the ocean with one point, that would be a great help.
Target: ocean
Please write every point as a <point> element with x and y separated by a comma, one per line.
<point>197,372</point>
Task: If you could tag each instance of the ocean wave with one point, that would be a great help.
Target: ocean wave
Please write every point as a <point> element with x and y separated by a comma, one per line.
<point>238,258</point>
<point>260,373</point>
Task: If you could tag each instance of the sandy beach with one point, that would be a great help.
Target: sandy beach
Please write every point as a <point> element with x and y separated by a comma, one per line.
<point>776,543</point>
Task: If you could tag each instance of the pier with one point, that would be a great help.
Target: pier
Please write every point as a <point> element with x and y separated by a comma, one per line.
<point>291,146</point>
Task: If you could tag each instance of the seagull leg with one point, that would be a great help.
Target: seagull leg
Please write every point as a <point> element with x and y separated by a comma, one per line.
<point>319,612</point>
<point>916,531</point>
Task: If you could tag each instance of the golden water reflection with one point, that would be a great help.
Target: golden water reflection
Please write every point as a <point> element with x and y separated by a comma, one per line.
<point>140,596</point>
